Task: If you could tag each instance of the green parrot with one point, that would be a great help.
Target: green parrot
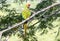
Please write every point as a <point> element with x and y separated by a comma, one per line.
<point>26,14</point>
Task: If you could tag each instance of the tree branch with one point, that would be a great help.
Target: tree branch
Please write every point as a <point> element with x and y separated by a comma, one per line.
<point>17,24</point>
<point>45,17</point>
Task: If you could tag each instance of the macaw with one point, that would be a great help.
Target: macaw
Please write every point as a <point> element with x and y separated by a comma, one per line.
<point>26,14</point>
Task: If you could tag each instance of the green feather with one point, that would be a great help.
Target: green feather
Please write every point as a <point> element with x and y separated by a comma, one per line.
<point>26,13</point>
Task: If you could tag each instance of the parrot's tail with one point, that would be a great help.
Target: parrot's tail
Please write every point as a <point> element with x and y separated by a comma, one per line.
<point>25,28</point>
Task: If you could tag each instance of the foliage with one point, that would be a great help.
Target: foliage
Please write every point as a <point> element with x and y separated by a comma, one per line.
<point>45,19</point>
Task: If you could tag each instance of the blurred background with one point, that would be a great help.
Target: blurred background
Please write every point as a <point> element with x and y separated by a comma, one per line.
<point>43,27</point>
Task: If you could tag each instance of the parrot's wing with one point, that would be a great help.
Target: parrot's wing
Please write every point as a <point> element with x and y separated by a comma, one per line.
<point>26,13</point>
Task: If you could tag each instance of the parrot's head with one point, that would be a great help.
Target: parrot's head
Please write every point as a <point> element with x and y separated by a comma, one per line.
<point>28,5</point>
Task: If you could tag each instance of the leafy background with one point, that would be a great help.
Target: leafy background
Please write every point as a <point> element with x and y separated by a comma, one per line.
<point>43,27</point>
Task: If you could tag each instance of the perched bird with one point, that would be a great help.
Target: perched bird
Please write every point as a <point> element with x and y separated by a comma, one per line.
<point>26,14</point>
